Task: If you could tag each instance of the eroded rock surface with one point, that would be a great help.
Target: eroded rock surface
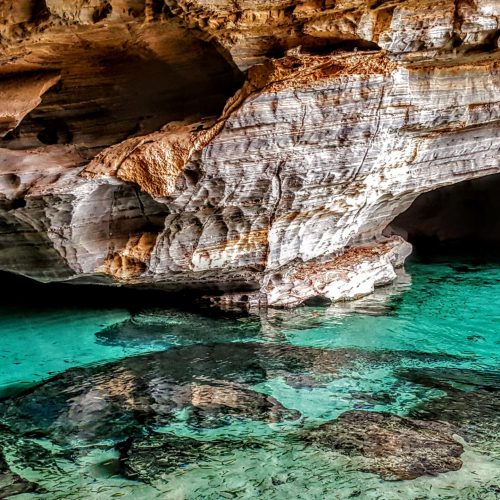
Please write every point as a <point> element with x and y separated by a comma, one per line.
<point>252,30</point>
<point>130,157</point>
<point>396,448</point>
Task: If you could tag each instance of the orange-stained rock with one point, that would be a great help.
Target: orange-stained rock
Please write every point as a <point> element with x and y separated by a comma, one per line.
<point>20,95</point>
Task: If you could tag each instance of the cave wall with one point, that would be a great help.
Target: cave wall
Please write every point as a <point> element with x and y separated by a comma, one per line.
<point>106,70</point>
<point>254,150</point>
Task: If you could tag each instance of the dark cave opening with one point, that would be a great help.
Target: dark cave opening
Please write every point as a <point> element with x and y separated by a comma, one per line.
<point>461,218</point>
<point>34,294</point>
<point>31,295</point>
<point>54,132</point>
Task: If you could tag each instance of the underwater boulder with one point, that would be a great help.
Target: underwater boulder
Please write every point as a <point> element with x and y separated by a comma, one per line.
<point>395,448</point>
<point>10,483</point>
<point>475,414</point>
<point>471,402</point>
<point>118,399</point>
<point>160,330</point>
<point>214,405</point>
<point>452,379</point>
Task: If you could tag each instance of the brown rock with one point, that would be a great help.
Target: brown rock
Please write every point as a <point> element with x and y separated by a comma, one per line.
<point>396,448</point>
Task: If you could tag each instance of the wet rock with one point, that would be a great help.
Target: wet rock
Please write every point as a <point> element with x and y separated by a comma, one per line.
<point>453,379</point>
<point>471,403</point>
<point>11,483</point>
<point>117,400</point>
<point>475,414</point>
<point>396,448</point>
<point>210,383</point>
<point>149,458</point>
<point>373,398</point>
<point>214,405</point>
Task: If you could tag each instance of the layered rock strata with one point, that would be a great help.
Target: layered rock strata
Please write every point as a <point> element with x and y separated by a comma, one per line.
<point>120,163</point>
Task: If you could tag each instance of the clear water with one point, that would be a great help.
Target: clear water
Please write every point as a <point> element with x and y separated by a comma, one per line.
<point>222,407</point>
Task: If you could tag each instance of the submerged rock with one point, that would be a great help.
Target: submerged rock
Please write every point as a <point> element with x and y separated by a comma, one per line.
<point>150,458</point>
<point>162,330</point>
<point>471,403</point>
<point>156,455</point>
<point>203,385</point>
<point>116,400</point>
<point>214,405</point>
<point>394,447</point>
<point>453,379</point>
<point>10,483</point>
<point>476,415</point>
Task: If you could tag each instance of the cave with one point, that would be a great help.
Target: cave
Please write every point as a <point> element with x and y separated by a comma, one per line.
<point>462,217</point>
<point>237,233</point>
<point>114,86</point>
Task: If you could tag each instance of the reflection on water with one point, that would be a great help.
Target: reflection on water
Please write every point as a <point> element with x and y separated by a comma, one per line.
<point>394,396</point>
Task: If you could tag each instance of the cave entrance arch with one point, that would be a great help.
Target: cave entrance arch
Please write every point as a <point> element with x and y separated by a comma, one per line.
<point>463,217</point>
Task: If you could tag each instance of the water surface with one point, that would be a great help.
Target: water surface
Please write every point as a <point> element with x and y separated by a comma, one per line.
<point>161,403</point>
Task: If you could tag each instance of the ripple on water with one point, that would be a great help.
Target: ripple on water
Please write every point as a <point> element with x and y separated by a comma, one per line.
<point>170,404</point>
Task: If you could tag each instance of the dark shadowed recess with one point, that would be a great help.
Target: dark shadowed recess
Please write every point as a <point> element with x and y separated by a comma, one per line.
<point>110,91</point>
<point>319,46</point>
<point>462,218</point>
<point>29,294</point>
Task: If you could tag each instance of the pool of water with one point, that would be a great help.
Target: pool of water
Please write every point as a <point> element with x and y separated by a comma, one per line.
<point>163,403</point>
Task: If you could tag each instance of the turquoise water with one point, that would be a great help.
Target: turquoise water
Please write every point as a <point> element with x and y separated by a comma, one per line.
<point>102,403</point>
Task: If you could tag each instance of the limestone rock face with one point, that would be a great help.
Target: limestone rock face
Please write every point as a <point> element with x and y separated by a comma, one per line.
<point>252,30</point>
<point>129,156</point>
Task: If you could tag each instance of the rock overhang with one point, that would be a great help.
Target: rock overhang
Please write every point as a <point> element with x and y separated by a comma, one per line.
<point>307,163</point>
